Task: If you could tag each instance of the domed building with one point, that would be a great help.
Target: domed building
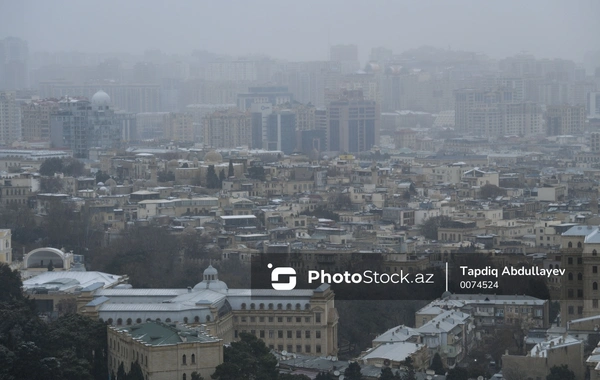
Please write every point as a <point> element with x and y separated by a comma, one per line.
<point>213,157</point>
<point>100,101</point>
<point>210,280</point>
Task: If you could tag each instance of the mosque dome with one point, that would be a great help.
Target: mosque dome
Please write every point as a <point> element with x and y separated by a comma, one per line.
<point>210,280</point>
<point>100,99</point>
<point>213,156</point>
<point>110,182</point>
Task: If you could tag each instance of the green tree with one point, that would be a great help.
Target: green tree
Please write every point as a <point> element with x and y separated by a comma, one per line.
<point>287,376</point>
<point>165,176</point>
<point>212,180</point>
<point>230,171</point>
<point>221,177</point>
<point>249,358</point>
<point>196,376</point>
<point>387,374</point>
<point>51,166</point>
<point>121,375</point>
<point>491,191</point>
<point>101,176</point>
<point>458,373</point>
<point>324,376</point>
<point>256,172</point>
<point>429,229</point>
<point>410,369</point>
<point>437,365</point>
<point>50,266</point>
<point>51,185</point>
<point>135,373</point>
<point>561,373</point>
<point>353,372</point>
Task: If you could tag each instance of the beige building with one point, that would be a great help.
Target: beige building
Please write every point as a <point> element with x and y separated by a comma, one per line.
<point>565,119</point>
<point>164,351</point>
<point>557,351</point>
<point>35,119</point>
<point>227,129</point>
<point>5,247</point>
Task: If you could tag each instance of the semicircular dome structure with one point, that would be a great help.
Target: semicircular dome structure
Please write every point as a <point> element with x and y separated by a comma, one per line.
<point>100,99</point>
<point>41,258</point>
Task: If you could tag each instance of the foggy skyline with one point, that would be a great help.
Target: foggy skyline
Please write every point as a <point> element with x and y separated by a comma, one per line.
<point>302,31</point>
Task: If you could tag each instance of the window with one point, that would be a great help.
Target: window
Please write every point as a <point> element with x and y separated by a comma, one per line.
<point>578,246</point>
<point>270,306</point>
<point>252,319</point>
<point>253,332</point>
<point>570,293</point>
<point>298,334</point>
<point>129,321</point>
<point>298,306</point>
<point>262,333</point>
<point>570,261</point>
<point>193,358</point>
<point>595,286</point>
<point>261,319</point>
<point>298,319</point>
<point>288,306</point>
<point>307,319</point>
<point>307,348</point>
<point>119,322</point>
<point>307,306</point>
<point>570,244</point>
<point>289,319</point>
<point>280,334</point>
<point>318,334</point>
<point>252,306</point>
<point>270,319</point>
<point>184,377</point>
<point>279,306</point>
<point>579,309</point>
<point>579,277</point>
<point>280,347</point>
<point>318,317</point>
<point>594,269</point>
<point>579,260</point>
<point>280,319</point>
<point>235,334</point>
<point>185,319</point>
<point>579,293</point>
<point>307,334</point>
<point>271,333</point>
<point>570,309</point>
<point>570,276</point>
<point>594,253</point>
<point>197,319</point>
<point>595,304</point>
<point>262,306</point>
<point>243,306</point>
<point>183,360</point>
<point>289,348</point>
<point>318,348</point>
<point>298,348</point>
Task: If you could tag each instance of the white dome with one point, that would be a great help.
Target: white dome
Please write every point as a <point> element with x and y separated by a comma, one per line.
<point>210,270</point>
<point>100,99</point>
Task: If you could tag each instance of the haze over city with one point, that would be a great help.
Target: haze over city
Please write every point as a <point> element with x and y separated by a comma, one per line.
<point>302,30</point>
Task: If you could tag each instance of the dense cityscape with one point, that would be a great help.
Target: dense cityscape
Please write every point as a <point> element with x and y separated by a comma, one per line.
<point>428,213</point>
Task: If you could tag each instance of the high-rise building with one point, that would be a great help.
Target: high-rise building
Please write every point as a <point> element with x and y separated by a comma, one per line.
<point>10,118</point>
<point>14,70</point>
<point>281,131</point>
<point>565,119</point>
<point>347,56</point>
<point>80,125</point>
<point>35,119</point>
<point>593,105</point>
<point>275,95</point>
<point>352,123</point>
<point>180,127</point>
<point>595,142</point>
<point>227,129</point>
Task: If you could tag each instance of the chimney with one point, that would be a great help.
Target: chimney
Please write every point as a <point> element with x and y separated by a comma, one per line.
<point>189,289</point>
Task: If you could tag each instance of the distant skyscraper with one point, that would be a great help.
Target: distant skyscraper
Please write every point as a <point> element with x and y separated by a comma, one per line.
<point>593,105</point>
<point>281,131</point>
<point>80,125</point>
<point>565,120</point>
<point>35,119</point>
<point>269,94</point>
<point>227,129</point>
<point>10,118</point>
<point>14,70</point>
<point>352,123</point>
<point>347,55</point>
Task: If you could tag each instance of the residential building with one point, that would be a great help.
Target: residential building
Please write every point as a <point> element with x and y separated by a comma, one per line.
<point>275,95</point>
<point>10,118</point>
<point>227,129</point>
<point>352,123</point>
<point>565,119</point>
<point>5,246</point>
<point>35,121</point>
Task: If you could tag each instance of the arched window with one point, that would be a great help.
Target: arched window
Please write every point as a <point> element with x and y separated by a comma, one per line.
<point>157,319</point>
<point>193,358</point>
<point>570,244</point>
<point>243,306</point>
<point>298,306</point>
<point>110,321</point>
<point>279,306</point>
<point>594,253</point>
<point>139,320</point>
<point>129,321</point>
<point>148,319</point>
<point>252,306</point>
<point>208,318</point>
<point>184,378</point>
<point>579,277</point>
<point>168,320</point>
<point>307,306</point>
<point>579,245</point>
<point>261,306</point>
<point>185,319</point>
<point>595,286</point>
<point>570,276</point>
<point>288,306</point>
<point>183,360</point>
<point>101,320</point>
<point>270,306</point>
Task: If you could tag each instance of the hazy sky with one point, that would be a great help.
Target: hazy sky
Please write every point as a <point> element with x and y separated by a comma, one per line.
<point>301,30</point>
